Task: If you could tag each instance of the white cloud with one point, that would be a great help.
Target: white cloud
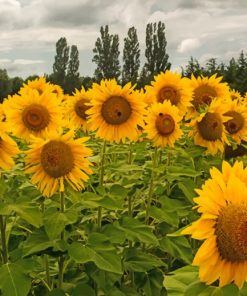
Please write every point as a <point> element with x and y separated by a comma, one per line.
<point>27,62</point>
<point>4,61</point>
<point>188,45</point>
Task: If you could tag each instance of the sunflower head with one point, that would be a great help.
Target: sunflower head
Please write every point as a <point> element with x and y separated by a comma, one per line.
<point>33,114</point>
<point>169,86</point>
<point>116,112</point>
<point>208,128</point>
<point>58,159</point>
<point>162,124</point>
<point>39,84</point>
<point>222,203</point>
<point>205,89</point>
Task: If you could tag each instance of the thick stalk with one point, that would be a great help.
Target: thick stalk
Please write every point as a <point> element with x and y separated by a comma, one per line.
<point>61,258</point>
<point>151,185</point>
<point>3,240</point>
<point>101,180</point>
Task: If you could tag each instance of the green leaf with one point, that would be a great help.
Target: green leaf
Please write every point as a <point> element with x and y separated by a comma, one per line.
<point>178,171</point>
<point>187,188</point>
<point>118,190</point>
<point>55,221</point>
<point>83,289</point>
<point>79,253</point>
<point>164,215</point>
<point>137,231</point>
<point>178,247</point>
<point>57,292</point>
<point>13,281</point>
<point>29,213</point>
<point>99,242</point>
<point>140,261</point>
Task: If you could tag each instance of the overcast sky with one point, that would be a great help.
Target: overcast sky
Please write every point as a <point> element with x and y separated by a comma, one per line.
<point>203,29</point>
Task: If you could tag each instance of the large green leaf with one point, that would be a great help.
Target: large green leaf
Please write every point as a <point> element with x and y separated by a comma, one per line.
<point>13,282</point>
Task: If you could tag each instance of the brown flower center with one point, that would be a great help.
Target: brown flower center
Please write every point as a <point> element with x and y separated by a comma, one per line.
<point>57,159</point>
<point>165,124</point>
<point>35,117</point>
<point>231,233</point>
<point>81,108</point>
<point>168,93</point>
<point>203,95</point>
<point>116,110</point>
<point>236,123</point>
<point>210,127</point>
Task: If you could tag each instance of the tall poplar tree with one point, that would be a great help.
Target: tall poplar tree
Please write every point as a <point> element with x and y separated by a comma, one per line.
<point>73,75</point>
<point>106,55</point>
<point>156,55</point>
<point>61,62</point>
<point>131,57</point>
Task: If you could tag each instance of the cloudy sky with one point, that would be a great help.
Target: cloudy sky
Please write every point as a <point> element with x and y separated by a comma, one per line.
<point>203,29</point>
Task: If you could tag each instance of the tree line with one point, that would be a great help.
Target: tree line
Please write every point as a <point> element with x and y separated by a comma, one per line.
<point>106,56</point>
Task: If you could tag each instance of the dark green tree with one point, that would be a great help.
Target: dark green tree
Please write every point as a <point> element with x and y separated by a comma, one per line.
<point>156,55</point>
<point>106,55</point>
<point>5,85</point>
<point>61,62</point>
<point>16,84</point>
<point>193,67</point>
<point>73,75</point>
<point>131,57</point>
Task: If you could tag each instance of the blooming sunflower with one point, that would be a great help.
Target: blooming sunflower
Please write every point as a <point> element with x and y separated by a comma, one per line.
<point>163,124</point>
<point>57,159</point>
<point>208,128</point>
<point>33,114</point>
<point>39,84</point>
<point>116,112</point>
<point>206,89</point>
<point>8,149</point>
<point>169,86</point>
<point>76,108</point>
<point>222,201</point>
<point>235,95</point>
<point>236,126</point>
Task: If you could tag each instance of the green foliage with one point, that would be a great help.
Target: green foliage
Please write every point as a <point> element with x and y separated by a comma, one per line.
<point>72,80</point>
<point>131,57</point>
<point>106,55</point>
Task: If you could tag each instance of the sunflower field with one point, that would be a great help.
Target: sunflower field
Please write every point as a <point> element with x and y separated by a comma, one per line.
<point>116,191</point>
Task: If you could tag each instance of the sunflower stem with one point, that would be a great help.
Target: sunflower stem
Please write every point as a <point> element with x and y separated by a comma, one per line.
<point>101,180</point>
<point>61,258</point>
<point>151,185</point>
<point>3,240</point>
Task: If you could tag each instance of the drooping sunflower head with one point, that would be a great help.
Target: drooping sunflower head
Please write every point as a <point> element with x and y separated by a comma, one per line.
<point>205,89</point>
<point>33,114</point>
<point>116,112</point>
<point>208,128</point>
<point>222,201</point>
<point>8,149</point>
<point>162,124</point>
<point>236,125</point>
<point>58,159</point>
<point>76,108</point>
<point>170,86</point>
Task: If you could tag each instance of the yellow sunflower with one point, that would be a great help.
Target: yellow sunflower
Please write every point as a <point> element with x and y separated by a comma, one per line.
<point>57,90</point>
<point>8,149</point>
<point>235,95</point>
<point>39,84</point>
<point>33,114</point>
<point>222,201</point>
<point>163,124</point>
<point>236,126</point>
<point>208,128</point>
<point>205,89</point>
<point>57,159</point>
<point>116,112</point>
<point>169,86</point>
<point>76,108</point>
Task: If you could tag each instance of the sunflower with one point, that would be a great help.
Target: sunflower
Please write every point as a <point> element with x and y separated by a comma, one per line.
<point>76,108</point>
<point>116,111</point>
<point>222,202</point>
<point>235,95</point>
<point>57,159</point>
<point>39,84</point>
<point>8,149</point>
<point>33,114</point>
<point>236,126</point>
<point>208,128</point>
<point>163,124</point>
<point>169,86</point>
<point>206,89</point>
